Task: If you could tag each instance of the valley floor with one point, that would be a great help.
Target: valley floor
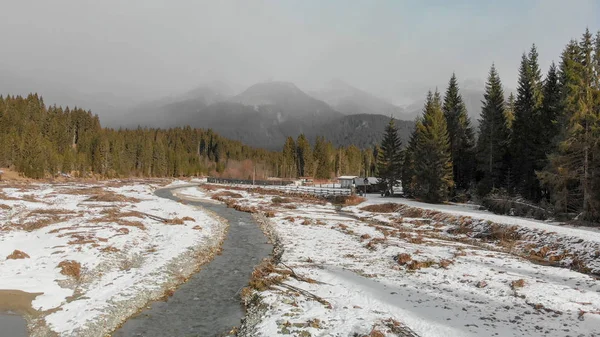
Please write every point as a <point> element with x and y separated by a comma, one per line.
<point>77,259</point>
<point>395,267</point>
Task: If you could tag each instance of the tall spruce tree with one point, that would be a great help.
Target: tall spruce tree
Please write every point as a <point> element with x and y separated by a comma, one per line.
<point>492,144</point>
<point>389,158</point>
<point>527,129</point>
<point>462,139</point>
<point>573,171</point>
<point>509,110</point>
<point>409,183</point>
<point>432,154</point>
<point>304,156</point>
<point>289,159</point>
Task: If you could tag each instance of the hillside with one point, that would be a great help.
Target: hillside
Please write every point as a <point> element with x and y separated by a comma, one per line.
<point>352,101</point>
<point>364,130</point>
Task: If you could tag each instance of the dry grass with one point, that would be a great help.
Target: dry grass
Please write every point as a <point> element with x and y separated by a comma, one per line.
<point>416,265</point>
<point>17,255</point>
<point>226,194</point>
<point>176,221</point>
<point>520,283</point>
<point>365,237</point>
<point>346,200</point>
<point>445,263</point>
<point>411,212</point>
<point>265,275</point>
<point>40,223</point>
<point>110,249</point>
<point>280,200</point>
<point>403,258</point>
<point>70,268</point>
<point>382,208</point>
<point>376,333</point>
<point>372,245</point>
<point>107,196</point>
<point>5,207</point>
<point>81,239</point>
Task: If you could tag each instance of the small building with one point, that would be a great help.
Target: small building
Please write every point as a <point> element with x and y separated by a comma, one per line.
<point>368,184</point>
<point>346,181</point>
<point>305,180</point>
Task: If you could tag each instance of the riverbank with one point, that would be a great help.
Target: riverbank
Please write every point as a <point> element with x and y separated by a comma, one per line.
<point>381,269</point>
<point>97,252</point>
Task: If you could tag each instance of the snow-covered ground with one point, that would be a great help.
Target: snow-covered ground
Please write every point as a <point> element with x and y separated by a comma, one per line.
<point>98,253</point>
<point>361,273</point>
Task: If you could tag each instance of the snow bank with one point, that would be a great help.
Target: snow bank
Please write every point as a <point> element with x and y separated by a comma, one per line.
<point>127,255</point>
<point>406,276</point>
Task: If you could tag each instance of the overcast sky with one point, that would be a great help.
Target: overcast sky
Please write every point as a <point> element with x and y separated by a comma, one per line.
<point>162,47</point>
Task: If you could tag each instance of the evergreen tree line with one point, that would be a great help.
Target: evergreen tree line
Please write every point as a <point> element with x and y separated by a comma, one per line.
<point>541,145</point>
<point>40,141</point>
<point>323,160</point>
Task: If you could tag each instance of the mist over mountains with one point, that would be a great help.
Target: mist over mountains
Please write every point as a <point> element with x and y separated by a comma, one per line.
<point>262,115</point>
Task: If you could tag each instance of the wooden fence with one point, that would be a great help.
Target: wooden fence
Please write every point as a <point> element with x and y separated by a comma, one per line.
<point>282,185</point>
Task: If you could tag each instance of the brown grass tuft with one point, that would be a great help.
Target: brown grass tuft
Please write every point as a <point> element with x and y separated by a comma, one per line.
<point>17,255</point>
<point>106,196</point>
<point>6,207</point>
<point>40,223</point>
<point>403,259</point>
<point>365,237</point>
<point>70,268</point>
<point>376,333</point>
<point>226,194</point>
<point>176,221</point>
<point>412,212</point>
<point>520,283</point>
<point>110,249</point>
<point>382,208</point>
<point>280,200</point>
<point>446,263</point>
<point>416,265</point>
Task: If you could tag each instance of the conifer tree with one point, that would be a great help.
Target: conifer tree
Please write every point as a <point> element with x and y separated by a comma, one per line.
<point>492,144</point>
<point>527,129</point>
<point>408,164</point>
<point>322,154</point>
<point>509,110</point>
<point>573,171</point>
<point>304,156</point>
<point>389,158</point>
<point>432,154</point>
<point>462,140</point>
<point>289,159</point>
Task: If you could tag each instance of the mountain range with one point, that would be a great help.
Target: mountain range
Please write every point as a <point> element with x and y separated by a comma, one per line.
<point>262,115</point>
<point>265,114</point>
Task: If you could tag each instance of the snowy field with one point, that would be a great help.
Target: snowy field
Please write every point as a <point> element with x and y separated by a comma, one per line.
<point>418,269</point>
<point>97,253</point>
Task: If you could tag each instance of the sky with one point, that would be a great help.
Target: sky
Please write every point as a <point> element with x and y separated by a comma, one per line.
<point>150,48</point>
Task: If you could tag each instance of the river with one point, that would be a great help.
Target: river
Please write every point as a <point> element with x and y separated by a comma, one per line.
<point>209,303</point>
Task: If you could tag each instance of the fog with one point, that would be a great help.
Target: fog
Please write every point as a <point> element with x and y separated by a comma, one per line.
<point>120,53</point>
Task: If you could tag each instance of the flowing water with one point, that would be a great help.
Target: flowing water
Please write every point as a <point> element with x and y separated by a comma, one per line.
<point>209,303</point>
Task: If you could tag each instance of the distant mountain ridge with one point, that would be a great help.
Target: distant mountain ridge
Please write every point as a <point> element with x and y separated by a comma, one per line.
<point>350,100</point>
<point>265,114</point>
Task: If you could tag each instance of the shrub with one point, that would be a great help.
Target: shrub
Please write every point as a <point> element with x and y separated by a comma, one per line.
<point>17,255</point>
